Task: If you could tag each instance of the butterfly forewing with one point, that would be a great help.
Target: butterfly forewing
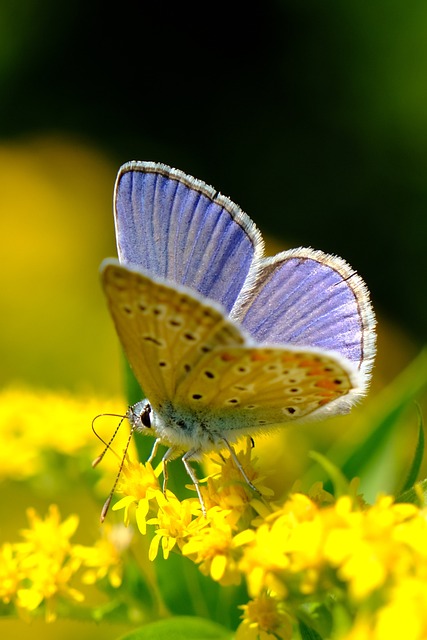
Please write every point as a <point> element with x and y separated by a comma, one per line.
<point>164,330</point>
<point>181,229</point>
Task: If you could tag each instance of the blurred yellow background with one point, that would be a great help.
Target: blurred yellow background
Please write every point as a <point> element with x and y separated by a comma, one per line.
<point>56,226</point>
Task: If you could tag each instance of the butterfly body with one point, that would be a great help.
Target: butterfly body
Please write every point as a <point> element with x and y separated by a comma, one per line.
<point>178,429</point>
<point>223,341</point>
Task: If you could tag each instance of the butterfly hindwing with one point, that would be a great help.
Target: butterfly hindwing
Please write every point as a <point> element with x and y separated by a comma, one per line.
<point>247,387</point>
<point>308,298</point>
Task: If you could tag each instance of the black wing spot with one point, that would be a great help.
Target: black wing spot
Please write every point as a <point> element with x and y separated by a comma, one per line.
<point>197,396</point>
<point>290,410</point>
<point>153,340</point>
<point>209,374</point>
<point>205,349</point>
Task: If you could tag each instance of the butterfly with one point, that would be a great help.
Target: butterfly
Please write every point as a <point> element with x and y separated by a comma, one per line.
<point>224,341</point>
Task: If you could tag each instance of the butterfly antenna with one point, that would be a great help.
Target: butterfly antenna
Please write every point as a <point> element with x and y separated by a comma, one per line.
<point>107,444</point>
<point>122,462</point>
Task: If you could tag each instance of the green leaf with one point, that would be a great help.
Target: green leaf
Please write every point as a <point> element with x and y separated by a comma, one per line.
<point>418,455</point>
<point>186,591</point>
<point>339,481</point>
<point>315,620</point>
<point>362,455</point>
<point>372,458</point>
<point>416,495</point>
<point>135,394</point>
<point>307,633</point>
<point>180,628</point>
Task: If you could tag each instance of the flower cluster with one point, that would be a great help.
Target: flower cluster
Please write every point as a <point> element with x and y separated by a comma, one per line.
<point>336,565</point>
<point>41,570</point>
<point>365,565</point>
<point>33,422</point>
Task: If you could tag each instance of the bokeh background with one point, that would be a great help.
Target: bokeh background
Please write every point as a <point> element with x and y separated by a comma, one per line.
<point>311,116</point>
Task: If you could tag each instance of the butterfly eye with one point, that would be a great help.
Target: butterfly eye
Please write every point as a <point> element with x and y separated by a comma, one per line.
<point>145,416</point>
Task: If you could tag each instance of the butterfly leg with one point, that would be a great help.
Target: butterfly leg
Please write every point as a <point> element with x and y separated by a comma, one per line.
<point>192,474</point>
<point>168,455</point>
<point>239,466</point>
<point>154,450</point>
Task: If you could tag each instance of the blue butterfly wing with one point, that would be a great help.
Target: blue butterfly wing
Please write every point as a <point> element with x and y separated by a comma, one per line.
<point>308,298</point>
<point>179,228</point>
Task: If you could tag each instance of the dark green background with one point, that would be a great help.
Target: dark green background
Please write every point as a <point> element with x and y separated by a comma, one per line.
<point>311,115</point>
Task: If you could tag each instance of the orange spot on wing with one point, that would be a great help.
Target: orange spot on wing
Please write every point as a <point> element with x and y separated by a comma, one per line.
<point>327,384</point>
<point>316,371</point>
<point>309,362</point>
<point>289,358</point>
<point>227,357</point>
<point>256,356</point>
<point>326,394</point>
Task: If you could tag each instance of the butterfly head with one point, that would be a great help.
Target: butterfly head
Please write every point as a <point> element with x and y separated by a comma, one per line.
<point>140,416</point>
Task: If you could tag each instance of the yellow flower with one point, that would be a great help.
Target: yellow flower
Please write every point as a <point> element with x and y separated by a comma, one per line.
<point>104,558</point>
<point>405,615</point>
<point>25,433</point>
<point>46,562</point>
<point>263,558</point>
<point>362,544</point>
<point>139,483</point>
<point>48,536</point>
<point>174,522</point>
<point>227,488</point>
<point>264,618</point>
<point>49,579</point>
<point>363,629</point>
<point>10,573</point>
<point>318,495</point>
<point>289,540</point>
<point>214,549</point>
